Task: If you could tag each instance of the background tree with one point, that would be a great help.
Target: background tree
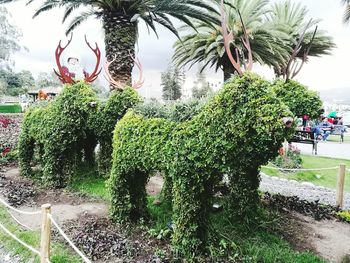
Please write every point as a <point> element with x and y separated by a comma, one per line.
<point>46,79</point>
<point>201,86</point>
<point>9,38</point>
<point>207,47</point>
<point>16,83</point>
<point>171,81</point>
<point>346,17</point>
<point>120,22</point>
<point>291,18</point>
<point>273,33</point>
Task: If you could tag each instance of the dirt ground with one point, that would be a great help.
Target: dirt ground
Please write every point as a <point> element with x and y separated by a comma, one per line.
<point>80,214</point>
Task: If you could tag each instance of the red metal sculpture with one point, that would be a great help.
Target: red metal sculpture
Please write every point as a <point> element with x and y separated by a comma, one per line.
<point>116,84</point>
<point>65,76</point>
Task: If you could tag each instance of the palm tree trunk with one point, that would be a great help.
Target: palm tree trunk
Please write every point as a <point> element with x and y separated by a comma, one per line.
<point>228,70</point>
<point>120,40</point>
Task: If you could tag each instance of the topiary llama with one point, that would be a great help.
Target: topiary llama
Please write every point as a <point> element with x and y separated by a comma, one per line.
<point>239,130</point>
<point>62,132</point>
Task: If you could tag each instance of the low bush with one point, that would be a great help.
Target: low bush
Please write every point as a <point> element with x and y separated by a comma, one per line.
<point>291,159</point>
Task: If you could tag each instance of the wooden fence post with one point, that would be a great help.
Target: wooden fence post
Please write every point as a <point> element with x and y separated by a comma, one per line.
<point>45,233</point>
<point>340,186</point>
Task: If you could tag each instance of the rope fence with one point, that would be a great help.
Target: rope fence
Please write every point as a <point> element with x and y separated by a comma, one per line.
<point>19,211</point>
<point>301,169</point>
<point>340,178</point>
<point>18,240</point>
<point>68,240</point>
<point>46,220</point>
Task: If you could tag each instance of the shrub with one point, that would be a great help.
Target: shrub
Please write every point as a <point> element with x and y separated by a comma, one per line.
<point>290,159</point>
<point>236,132</point>
<point>300,100</point>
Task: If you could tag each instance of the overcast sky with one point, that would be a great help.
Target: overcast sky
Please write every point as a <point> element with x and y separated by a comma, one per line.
<point>41,35</point>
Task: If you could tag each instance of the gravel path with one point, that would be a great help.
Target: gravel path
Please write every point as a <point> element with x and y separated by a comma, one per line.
<point>304,190</point>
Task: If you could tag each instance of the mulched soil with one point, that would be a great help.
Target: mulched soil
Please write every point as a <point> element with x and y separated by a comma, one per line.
<point>293,203</point>
<point>104,241</point>
<point>16,192</point>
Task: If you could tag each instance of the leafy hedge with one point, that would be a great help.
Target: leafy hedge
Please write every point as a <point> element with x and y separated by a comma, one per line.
<point>236,132</point>
<point>10,108</point>
<point>300,100</point>
<point>59,132</point>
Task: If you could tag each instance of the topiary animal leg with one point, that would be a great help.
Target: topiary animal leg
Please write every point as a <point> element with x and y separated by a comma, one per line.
<point>25,154</point>
<point>191,204</point>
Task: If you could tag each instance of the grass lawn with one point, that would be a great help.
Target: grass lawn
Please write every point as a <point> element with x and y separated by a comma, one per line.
<point>336,138</point>
<point>87,181</point>
<point>59,252</point>
<point>326,178</point>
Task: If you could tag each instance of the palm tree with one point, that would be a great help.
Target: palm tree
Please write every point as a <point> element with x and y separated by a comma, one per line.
<point>120,22</point>
<point>207,46</point>
<point>273,33</point>
<point>289,17</point>
<point>346,17</point>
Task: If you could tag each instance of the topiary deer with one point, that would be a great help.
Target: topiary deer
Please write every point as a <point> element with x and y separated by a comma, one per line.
<point>239,130</point>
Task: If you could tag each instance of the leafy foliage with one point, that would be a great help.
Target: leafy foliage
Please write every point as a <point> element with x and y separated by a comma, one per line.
<point>13,83</point>
<point>300,100</point>
<point>273,32</point>
<point>235,133</point>
<point>346,17</point>
<point>120,22</point>
<point>58,131</point>
<point>290,159</point>
<point>290,18</point>
<point>107,117</point>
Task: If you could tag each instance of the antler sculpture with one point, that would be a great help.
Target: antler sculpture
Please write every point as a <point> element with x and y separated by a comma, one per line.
<point>228,37</point>
<point>116,84</point>
<point>293,68</point>
<point>64,76</point>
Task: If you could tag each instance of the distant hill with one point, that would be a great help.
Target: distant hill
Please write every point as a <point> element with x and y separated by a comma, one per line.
<point>340,95</point>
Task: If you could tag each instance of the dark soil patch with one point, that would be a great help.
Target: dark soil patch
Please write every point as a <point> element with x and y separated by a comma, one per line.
<point>17,192</point>
<point>293,203</point>
<point>23,191</point>
<point>104,241</point>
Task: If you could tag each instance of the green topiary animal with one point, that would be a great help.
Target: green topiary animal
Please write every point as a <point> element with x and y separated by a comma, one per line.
<point>300,100</point>
<point>62,131</point>
<point>108,115</point>
<point>238,130</point>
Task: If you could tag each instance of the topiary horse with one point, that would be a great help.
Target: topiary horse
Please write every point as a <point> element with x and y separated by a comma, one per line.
<point>61,131</point>
<point>239,130</point>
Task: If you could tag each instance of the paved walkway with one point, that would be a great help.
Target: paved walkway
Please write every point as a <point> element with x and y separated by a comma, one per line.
<point>327,149</point>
